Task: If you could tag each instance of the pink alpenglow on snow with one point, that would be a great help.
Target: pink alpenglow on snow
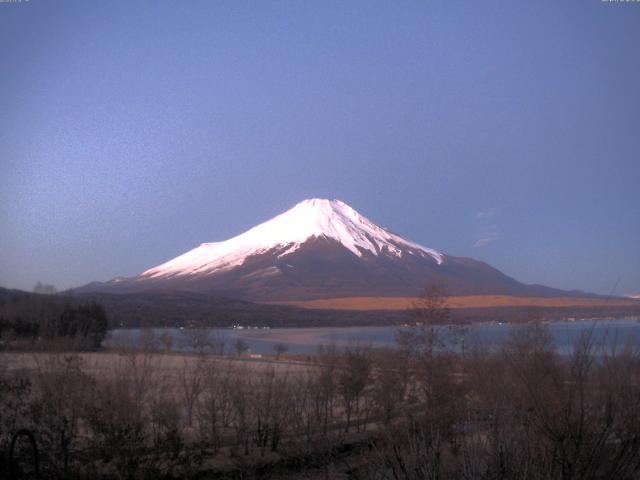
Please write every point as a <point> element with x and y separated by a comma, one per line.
<point>314,218</point>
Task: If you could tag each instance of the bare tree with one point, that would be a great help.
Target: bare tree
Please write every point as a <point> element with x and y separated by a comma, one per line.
<point>241,346</point>
<point>218,343</point>
<point>166,340</point>
<point>412,453</point>
<point>280,349</point>
<point>63,391</point>
<point>270,398</point>
<point>390,381</point>
<point>149,340</point>
<point>324,386</point>
<point>427,313</point>
<point>239,392</point>
<point>353,378</point>
<point>192,384</point>
<point>215,407</point>
<point>198,340</point>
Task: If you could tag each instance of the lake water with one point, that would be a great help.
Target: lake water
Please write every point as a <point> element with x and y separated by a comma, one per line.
<point>308,340</point>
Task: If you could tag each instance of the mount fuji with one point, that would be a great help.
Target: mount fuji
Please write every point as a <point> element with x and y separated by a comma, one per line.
<point>319,249</point>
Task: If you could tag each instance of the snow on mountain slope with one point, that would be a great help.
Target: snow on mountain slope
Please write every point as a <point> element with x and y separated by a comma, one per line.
<point>314,218</point>
<point>319,249</point>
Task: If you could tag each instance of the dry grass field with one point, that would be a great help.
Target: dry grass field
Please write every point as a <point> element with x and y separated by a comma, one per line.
<point>170,366</point>
<point>464,301</point>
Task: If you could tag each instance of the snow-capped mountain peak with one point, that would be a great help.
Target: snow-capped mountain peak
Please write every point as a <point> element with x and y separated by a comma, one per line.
<point>285,233</point>
<point>319,249</point>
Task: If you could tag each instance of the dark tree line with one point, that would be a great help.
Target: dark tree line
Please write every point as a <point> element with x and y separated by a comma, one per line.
<point>34,319</point>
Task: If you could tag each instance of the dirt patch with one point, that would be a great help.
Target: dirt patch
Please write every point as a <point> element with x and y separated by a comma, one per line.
<point>465,301</point>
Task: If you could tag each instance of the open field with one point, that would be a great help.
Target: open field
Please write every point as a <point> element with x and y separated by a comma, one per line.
<point>171,366</point>
<point>457,302</point>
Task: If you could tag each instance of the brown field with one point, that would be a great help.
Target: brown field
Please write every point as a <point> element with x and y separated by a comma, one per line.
<point>466,301</point>
<point>169,365</point>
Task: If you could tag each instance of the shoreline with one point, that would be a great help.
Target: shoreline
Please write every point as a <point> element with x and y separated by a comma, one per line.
<point>473,323</point>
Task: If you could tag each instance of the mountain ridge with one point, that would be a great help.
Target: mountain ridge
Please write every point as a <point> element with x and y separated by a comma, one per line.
<point>320,249</point>
<point>184,309</point>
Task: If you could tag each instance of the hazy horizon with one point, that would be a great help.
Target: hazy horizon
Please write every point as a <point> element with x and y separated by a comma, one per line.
<point>132,132</point>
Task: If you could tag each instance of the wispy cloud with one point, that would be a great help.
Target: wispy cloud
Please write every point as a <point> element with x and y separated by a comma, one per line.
<point>486,227</point>
<point>487,213</point>
<point>486,238</point>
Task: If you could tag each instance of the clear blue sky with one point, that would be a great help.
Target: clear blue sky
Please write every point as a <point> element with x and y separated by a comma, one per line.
<point>132,131</point>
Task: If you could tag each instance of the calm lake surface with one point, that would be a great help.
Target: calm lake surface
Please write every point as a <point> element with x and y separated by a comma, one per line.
<point>308,340</point>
